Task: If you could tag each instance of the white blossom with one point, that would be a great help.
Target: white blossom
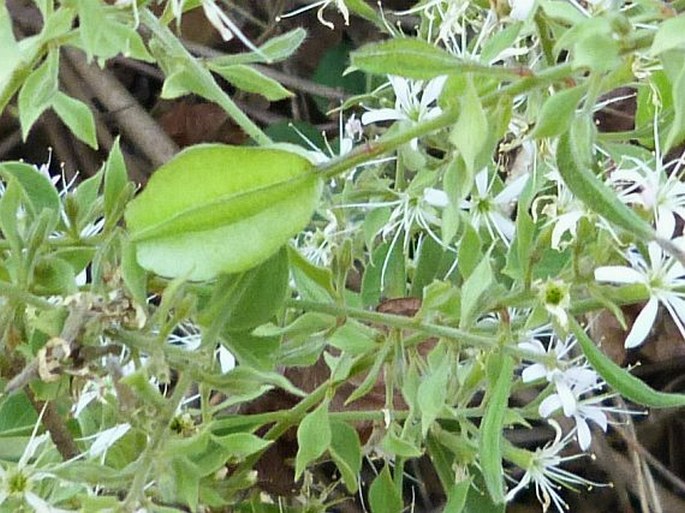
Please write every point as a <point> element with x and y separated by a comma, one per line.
<point>493,211</point>
<point>226,27</point>
<point>658,191</point>
<point>663,277</point>
<point>544,471</point>
<point>414,101</point>
<point>521,9</point>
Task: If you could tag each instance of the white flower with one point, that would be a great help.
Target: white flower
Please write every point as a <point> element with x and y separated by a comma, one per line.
<point>655,189</point>
<point>227,29</point>
<point>521,9</point>
<point>571,378</point>
<point>103,440</point>
<point>543,470</point>
<point>322,5</point>
<point>17,481</point>
<point>570,389</point>
<point>414,101</point>
<point>662,277</point>
<point>493,211</point>
<point>564,212</point>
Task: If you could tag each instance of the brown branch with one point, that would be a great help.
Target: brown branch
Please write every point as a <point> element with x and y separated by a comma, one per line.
<point>140,128</point>
<point>55,425</point>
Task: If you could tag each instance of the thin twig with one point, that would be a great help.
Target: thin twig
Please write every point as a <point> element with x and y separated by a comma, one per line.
<point>288,80</point>
<point>662,469</point>
<point>140,128</point>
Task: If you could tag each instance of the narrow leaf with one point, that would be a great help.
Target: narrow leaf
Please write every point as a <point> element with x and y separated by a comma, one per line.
<point>77,116</point>
<point>383,496</point>
<point>249,79</point>
<point>346,452</point>
<point>407,57</point>
<point>628,385</point>
<point>313,438</point>
<point>557,112</point>
<point>575,165</point>
<point>491,431</point>
<point>471,130</point>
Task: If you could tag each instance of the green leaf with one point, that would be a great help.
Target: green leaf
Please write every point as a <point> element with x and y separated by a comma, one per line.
<point>353,338</point>
<point>574,162</point>
<point>38,188</point>
<point>429,265</point>
<point>560,10</point>
<point>54,276</point>
<point>470,254</point>
<point>456,497</point>
<point>313,438</point>
<point>186,481</point>
<point>250,350</point>
<point>249,79</point>
<point>490,441</point>
<point>625,383</point>
<point>244,380</point>
<point>38,91</point>
<point>241,445</point>
<point>557,112</point>
<point>383,495</point>
<point>471,130</point>
<point>432,392</point>
<point>500,41</point>
<point>306,324</point>
<point>275,49</point>
<point>133,275</point>
<point>77,116</point>
<point>346,452</point>
<point>116,179</point>
<point>372,377</point>
<point>9,211</point>
<point>200,216</point>
<point>407,57</point>
<point>16,413</point>
<point>103,36</point>
<point>313,283</point>
<point>10,56</point>
<point>670,36</point>
<point>244,301</point>
<point>392,444</point>
<point>677,132</point>
<point>473,289</point>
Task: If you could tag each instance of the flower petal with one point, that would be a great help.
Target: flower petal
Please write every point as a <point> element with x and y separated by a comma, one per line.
<point>376,115</point>
<point>584,435</point>
<point>533,373</point>
<point>643,324</point>
<point>549,405</point>
<point>618,274</point>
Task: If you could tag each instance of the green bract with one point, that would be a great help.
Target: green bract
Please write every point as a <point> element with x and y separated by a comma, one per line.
<point>216,208</point>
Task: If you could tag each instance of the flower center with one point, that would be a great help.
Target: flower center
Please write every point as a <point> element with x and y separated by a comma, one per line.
<point>18,483</point>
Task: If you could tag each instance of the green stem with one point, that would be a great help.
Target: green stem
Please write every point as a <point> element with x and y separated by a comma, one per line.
<point>387,143</point>
<point>19,295</point>
<point>396,321</point>
<point>294,416</point>
<point>202,81</point>
<point>136,493</point>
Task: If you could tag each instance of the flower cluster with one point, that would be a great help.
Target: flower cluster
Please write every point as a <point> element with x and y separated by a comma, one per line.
<point>573,381</point>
